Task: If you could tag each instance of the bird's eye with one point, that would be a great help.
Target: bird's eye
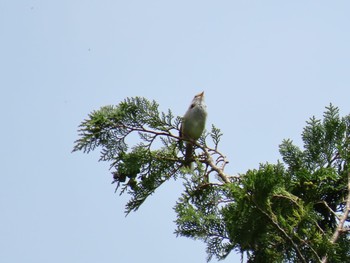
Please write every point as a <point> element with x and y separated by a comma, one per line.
<point>192,106</point>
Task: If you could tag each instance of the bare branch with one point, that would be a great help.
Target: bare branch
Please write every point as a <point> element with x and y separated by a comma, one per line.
<point>210,162</point>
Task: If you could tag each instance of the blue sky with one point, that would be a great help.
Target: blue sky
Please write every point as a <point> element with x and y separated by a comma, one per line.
<point>265,67</point>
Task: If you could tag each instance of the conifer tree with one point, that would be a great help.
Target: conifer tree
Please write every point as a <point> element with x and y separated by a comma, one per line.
<point>292,211</point>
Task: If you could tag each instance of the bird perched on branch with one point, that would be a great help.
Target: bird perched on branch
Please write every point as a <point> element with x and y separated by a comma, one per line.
<point>193,124</point>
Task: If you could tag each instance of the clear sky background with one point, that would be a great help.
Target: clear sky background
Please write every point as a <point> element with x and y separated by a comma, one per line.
<point>265,67</point>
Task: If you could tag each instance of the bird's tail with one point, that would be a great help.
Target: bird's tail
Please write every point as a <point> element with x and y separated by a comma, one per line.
<point>188,155</point>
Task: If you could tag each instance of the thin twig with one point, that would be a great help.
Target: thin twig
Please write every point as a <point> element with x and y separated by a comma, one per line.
<point>211,163</point>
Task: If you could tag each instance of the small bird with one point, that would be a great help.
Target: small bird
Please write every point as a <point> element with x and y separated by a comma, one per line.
<point>193,124</point>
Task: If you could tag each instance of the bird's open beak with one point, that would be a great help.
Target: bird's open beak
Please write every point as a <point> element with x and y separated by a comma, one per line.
<point>200,94</point>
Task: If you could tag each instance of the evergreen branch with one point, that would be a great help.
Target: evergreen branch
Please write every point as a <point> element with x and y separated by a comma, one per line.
<point>275,223</point>
<point>296,213</point>
<point>330,209</point>
<point>288,197</point>
<point>309,246</point>
<point>335,157</point>
<point>340,228</point>
<point>294,201</point>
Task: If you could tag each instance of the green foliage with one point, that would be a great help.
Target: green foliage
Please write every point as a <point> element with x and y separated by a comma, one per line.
<point>138,170</point>
<point>295,211</point>
<point>199,216</point>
